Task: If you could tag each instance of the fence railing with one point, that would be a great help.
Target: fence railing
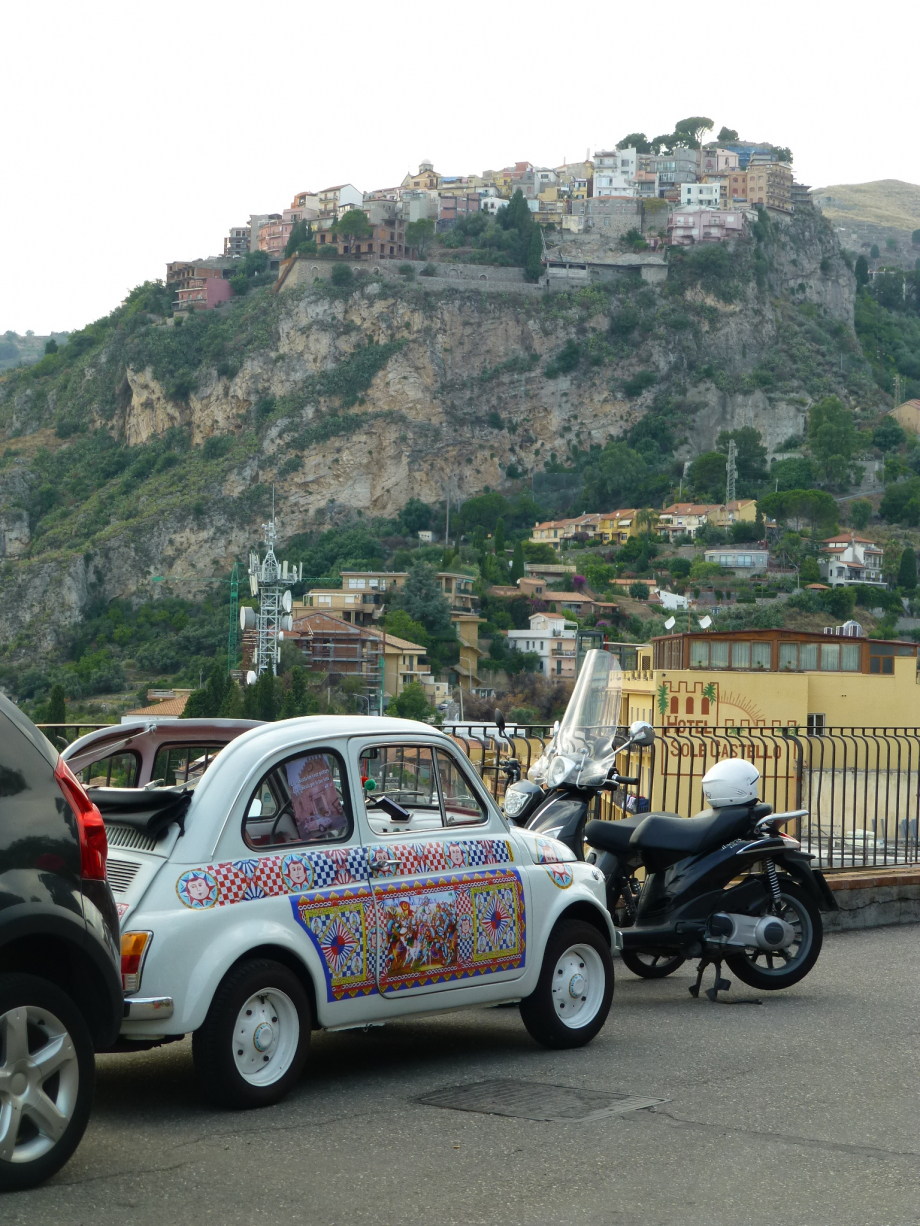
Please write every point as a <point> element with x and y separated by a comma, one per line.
<point>861,786</point>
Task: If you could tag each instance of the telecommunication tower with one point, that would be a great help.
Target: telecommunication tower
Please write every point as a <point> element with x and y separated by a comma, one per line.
<point>268,579</point>
<point>233,636</point>
<point>731,472</point>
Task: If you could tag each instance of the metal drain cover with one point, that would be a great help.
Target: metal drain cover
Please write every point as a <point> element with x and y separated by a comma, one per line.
<point>532,1100</point>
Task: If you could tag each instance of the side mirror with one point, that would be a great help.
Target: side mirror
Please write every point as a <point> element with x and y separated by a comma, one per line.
<point>499,721</point>
<point>641,733</point>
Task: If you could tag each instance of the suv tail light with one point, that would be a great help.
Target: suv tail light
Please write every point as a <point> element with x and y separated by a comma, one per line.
<point>94,846</point>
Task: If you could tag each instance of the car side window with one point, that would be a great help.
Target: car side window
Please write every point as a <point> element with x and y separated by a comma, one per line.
<point>177,764</point>
<point>414,788</point>
<point>462,807</point>
<point>119,770</point>
<point>303,799</point>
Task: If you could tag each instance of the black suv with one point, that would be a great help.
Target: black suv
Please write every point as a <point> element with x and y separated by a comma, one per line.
<point>60,982</point>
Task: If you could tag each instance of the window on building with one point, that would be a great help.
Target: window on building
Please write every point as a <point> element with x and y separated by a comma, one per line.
<point>741,655</point>
<point>849,657</point>
<point>788,656</point>
<point>760,655</point>
<point>815,724</point>
<point>699,653</point>
<point>808,657</point>
<point>830,657</point>
<point>718,653</point>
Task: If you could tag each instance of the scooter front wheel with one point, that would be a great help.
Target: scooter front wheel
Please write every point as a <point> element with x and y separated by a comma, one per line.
<point>652,964</point>
<point>772,970</point>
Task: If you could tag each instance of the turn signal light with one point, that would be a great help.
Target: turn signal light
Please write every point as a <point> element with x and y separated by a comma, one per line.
<point>134,946</point>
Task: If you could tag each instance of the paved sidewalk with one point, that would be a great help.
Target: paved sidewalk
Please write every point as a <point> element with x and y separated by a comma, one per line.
<point>802,1110</point>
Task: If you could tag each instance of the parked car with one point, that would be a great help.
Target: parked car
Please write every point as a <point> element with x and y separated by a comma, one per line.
<point>331,872</point>
<point>60,988</point>
<point>139,752</point>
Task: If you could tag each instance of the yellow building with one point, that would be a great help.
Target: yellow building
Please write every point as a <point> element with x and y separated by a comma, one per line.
<point>908,415</point>
<point>618,526</point>
<point>427,178</point>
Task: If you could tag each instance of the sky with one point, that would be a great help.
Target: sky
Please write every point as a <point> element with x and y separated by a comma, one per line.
<point>136,134</point>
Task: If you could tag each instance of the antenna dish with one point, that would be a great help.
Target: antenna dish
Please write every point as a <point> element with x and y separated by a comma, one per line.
<point>251,678</point>
<point>253,585</point>
<point>670,623</point>
<point>705,623</point>
<point>287,622</point>
<point>287,602</point>
<point>247,618</point>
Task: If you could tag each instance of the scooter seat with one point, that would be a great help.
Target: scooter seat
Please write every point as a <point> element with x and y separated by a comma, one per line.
<point>691,836</point>
<point>613,836</point>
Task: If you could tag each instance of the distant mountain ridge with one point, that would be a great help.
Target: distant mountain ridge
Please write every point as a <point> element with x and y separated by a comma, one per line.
<point>885,202</point>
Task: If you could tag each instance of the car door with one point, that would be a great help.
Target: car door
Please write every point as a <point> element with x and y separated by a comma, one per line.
<point>450,903</point>
<point>305,851</point>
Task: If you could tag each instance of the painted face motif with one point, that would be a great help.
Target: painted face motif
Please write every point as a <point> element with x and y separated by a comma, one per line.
<point>455,854</point>
<point>198,889</point>
<point>297,872</point>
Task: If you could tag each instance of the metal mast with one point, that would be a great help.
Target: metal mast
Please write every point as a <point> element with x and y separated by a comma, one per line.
<point>233,636</point>
<point>731,473</point>
<point>268,580</point>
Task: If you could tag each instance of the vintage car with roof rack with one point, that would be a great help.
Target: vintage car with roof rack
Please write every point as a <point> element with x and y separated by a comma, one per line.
<point>332,872</point>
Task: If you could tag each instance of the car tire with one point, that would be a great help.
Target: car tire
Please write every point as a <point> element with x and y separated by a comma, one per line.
<point>254,1042</point>
<point>47,1076</point>
<point>577,975</point>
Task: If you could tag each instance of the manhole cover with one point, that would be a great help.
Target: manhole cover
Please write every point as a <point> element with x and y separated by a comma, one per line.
<point>531,1100</point>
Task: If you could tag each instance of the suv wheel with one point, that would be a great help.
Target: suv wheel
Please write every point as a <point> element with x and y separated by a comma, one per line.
<point>255,1039</point>
<point>47,1073</point>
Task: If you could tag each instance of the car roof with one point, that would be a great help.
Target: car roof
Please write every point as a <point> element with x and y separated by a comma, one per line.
<point>230,772</point>
<point>145,731</point>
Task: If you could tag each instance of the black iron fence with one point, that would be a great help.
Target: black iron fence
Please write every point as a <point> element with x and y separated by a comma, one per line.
<point>62,735</point>
<point>860,786</point>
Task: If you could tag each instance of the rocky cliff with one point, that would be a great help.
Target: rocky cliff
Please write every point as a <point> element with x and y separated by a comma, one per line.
<point>149,446</point>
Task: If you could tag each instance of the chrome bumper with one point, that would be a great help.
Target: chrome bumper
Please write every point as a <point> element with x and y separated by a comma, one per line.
<point>145,1008</point>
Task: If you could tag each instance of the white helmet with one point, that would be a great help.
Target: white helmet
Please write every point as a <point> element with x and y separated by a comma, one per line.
<point>731,782</point>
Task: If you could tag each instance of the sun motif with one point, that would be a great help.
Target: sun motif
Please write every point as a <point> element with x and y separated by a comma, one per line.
<point>338,943</point>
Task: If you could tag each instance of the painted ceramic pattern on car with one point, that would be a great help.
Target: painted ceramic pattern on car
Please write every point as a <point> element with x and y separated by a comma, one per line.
<point>298,871</point>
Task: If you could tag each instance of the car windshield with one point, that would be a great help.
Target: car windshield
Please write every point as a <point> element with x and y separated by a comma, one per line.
<point>592,717</point>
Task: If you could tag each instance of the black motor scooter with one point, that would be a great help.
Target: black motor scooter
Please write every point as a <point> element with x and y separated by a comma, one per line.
<point>767,929</point>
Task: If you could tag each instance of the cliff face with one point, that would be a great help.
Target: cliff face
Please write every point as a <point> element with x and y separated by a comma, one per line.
<point>357,401</point>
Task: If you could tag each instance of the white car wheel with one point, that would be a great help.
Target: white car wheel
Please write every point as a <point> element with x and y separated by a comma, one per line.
<point>266,1037</point>
<point>579,982</point>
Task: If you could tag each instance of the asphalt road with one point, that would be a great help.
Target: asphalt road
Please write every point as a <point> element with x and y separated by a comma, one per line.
<point>802,1109</point>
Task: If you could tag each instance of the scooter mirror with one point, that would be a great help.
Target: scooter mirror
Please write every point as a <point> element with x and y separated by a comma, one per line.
<point>499,720</point>
<point>555,727</point>
<point>641,733</point>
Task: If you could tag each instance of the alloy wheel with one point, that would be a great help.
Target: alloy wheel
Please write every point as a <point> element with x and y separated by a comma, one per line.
<point>39,1082</point>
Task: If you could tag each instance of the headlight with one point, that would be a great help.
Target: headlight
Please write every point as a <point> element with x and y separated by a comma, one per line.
<point>515,802</point>
<point>560,770</point>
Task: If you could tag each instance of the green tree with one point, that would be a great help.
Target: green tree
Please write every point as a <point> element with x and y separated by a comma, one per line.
<point>707,475</point>
<point>301,234</point>
<point>915,238</point>
<point>57,710</point>
<point>638,591</point>
<point>635,140</point>
<point>232,705</point>
<point>415,517</point>
<point>533,267</point>
<point>891,244</point>
<point>517,562</point>
<point>888,434</point>
<point>750,453</point>
<point>907,570</point>
<point>539,551</point>
<point>342,277</point>
<point>266,696</point>
<point>206,702</point>
<point>860,512</point>
<point>299,699</point>
<point>422,599</point>
<point>813,508</point>
<point>808,571</point>
<point>499,536</point>
<point>51,346</point>
<point>727,136</point>
<point>484,509</point>
<point>833,437</point>
<point>617,476</point>
<point>861,269</point>
<point>689,131</point>
<point>402,626</point>
<point>874,252</point>
<point>411,703</point>
<point>419,235</point>
<point>354,225</point>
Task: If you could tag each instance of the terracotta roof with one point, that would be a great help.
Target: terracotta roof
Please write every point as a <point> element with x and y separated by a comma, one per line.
<point>399,644</point>
<point>169,706</point>
<point>846,539</point>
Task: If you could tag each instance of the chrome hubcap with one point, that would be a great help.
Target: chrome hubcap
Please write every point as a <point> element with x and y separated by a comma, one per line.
<point>39,1081</point>
<point>265,1037</point>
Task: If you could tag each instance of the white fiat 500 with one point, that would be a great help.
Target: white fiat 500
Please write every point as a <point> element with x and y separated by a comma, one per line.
<point>331,872</point>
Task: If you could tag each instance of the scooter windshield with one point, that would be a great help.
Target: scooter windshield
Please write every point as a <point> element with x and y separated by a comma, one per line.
<point>586,733</point>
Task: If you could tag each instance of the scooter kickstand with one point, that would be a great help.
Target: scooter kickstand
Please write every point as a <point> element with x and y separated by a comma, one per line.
<point>720,984</point>
<point>694,988</point>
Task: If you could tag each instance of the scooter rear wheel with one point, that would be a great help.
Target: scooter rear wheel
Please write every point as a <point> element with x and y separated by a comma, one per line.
<point>652,964</point>
<point>781,969</point>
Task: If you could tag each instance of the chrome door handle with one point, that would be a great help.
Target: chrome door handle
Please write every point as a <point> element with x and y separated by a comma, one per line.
<point>389,863</point>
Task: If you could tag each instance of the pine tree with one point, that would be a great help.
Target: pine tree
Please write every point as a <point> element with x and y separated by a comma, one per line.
<point>232,705</point>
<point>422,599</point>
<point>266,697</point>
<point>533,268</point>
<point>517,562</point>
<point>499,537</point>
<point>907,570</point>
<point>57,711</point>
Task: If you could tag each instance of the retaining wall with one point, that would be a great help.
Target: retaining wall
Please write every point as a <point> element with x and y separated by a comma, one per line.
<point>874,898</point>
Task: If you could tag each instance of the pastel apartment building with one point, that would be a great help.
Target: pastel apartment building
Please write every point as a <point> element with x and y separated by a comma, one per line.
<point>203,294</point>
<point>849,559</point>
<point>698,224</point>
<point>554,640</point>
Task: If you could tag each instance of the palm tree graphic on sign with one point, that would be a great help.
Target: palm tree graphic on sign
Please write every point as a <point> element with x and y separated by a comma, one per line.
<point>662,699</point>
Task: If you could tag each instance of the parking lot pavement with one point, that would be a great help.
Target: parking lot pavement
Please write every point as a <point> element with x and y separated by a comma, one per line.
<point>800,1109</point>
